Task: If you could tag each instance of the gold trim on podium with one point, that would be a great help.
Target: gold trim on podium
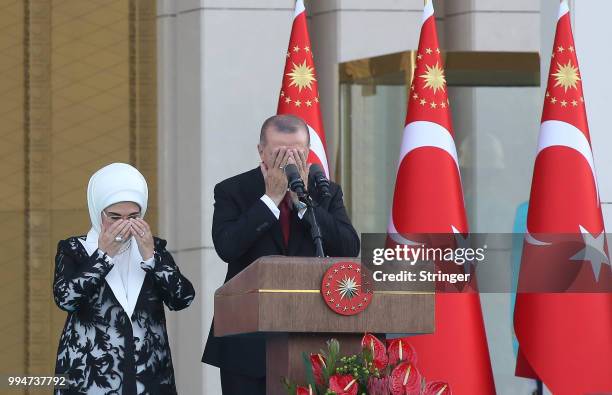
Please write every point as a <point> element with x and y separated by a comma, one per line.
<point>318,291</point>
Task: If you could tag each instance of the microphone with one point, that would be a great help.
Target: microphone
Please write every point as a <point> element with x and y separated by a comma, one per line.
<point>295,181</point>
<point>320,181</point>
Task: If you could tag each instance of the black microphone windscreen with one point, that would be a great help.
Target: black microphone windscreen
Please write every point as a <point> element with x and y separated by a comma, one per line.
<point>318,176</point>
<point>292,171</point>
<point>316,168</point>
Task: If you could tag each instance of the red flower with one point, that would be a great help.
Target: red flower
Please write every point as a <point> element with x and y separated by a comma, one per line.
<point>317,362</point>
<point>343,384</point>
<point>405,380</point>
<point>379,353</point>
<point>304,391</point>
<point>437,388</point>
<point>378,386</point>
<point>399,350</point>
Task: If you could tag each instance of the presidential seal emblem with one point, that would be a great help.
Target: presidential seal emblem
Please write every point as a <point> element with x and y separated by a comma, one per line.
<point>344,290</point>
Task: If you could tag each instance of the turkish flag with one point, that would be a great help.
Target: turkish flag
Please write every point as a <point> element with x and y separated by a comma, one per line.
<point>565,335</point>
<point>428,198</point>
<point>299,93</point>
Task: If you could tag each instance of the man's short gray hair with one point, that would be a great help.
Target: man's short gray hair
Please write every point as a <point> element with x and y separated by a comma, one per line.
<point>285,124</point>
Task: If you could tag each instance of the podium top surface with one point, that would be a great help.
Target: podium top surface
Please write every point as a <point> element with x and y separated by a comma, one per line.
<point>282,294</point>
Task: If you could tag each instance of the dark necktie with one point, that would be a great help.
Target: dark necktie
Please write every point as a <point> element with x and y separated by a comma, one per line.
<point>285,217</point>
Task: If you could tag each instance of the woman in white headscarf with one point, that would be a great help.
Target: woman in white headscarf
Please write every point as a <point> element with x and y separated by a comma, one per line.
<point>113,284</point>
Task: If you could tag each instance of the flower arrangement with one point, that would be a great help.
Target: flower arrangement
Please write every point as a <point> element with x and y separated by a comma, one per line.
<point>378,370</point>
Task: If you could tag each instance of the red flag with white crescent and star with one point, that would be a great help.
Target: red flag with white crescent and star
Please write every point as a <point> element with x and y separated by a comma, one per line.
<point>428,198</point>
<point>565,338</point>
<point>299,93</point>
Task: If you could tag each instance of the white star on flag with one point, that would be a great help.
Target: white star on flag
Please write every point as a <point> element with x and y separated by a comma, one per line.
<point>463,243</point>
<point>593,251</point>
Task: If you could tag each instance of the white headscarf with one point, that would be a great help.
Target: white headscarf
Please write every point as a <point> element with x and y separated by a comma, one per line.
<point>118,182</point>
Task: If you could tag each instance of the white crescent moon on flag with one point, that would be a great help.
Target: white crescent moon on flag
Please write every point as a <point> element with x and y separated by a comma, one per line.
<point>563,9</point>
<point>420,134</point>
<point>299,7</point>
<point>562,134</point>
<point>397,237</point>
<point>428,10</point>
<point>558,133</point>
<point>316,146</point>
<point>533,241</point>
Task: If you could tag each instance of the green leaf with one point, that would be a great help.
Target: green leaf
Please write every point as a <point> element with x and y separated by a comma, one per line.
<point>367,355</point>
<point>289,386</point>
<point>333,348</point>
<point>308,369</point>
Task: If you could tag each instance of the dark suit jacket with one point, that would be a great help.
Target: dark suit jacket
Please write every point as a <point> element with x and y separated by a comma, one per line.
<point>245,229</point>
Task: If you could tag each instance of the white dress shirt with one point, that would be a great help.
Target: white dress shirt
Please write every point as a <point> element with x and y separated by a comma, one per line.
<point>275,210</point>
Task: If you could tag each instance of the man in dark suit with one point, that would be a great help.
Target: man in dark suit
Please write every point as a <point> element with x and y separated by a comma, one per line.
<point>255,215</point>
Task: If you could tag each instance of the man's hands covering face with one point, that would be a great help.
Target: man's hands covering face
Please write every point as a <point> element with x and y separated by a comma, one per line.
<point>300,157</point>
<point>274,175</point>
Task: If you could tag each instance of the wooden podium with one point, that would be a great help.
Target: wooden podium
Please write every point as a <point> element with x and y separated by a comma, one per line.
<point>279,297</point>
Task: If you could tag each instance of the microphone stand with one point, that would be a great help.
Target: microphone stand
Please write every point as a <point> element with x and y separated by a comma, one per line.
<point>315,230</point>
<point>296,184</point>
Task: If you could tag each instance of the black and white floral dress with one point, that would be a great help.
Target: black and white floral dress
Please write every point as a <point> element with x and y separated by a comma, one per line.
<point>102,350</point>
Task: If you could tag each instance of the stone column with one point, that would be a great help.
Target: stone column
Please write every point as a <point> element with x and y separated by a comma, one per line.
<point>220,71</point>
<point>591,28</point>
